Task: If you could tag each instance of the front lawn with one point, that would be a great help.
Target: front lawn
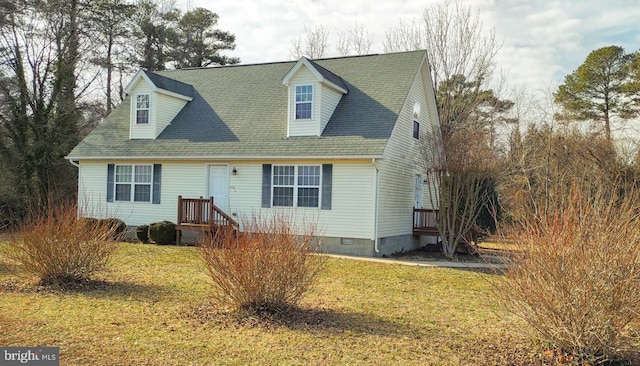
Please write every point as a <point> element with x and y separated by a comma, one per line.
<point>152,308</point>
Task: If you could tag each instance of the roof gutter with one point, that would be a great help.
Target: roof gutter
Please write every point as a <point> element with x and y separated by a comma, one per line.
<point>227,157</point>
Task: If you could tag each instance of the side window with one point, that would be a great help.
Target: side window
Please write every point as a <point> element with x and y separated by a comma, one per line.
<point>416,120</point>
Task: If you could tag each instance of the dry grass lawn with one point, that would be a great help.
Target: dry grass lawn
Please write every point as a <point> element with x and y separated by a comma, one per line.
<point>153,308</point>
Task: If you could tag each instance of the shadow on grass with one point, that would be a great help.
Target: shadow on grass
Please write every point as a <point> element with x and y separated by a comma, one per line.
<point>112,289</point>
<point>90,288</point>
<point>301,319</point>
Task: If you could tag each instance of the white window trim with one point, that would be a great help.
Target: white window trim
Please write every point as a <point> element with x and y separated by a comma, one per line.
<point>295,185</point>
<point>295,102</point>
<point>132,184</point>
<point>136,109</point>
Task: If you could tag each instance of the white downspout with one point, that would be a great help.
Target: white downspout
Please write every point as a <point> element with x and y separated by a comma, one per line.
<point>376,196</point>
<point>74,163</point>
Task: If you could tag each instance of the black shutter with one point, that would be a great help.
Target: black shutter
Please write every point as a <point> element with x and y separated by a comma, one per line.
<point>111,172</point>
<point>327,177</point>
<point>266,185</point>
<point>157,173</point>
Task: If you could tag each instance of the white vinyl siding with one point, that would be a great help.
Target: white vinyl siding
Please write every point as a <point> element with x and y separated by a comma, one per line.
<point>330,99</point>
<point>352,210</point>
<point>351,214</point>
<point>401,163</point>
<point>142,130</point>
<point>167,108</point>
<point>92,191</point>
<point>304,127</point>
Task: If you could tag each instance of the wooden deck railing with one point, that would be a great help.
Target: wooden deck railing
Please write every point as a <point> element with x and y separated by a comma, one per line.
<point>425,221</point>
<point>203,215</point>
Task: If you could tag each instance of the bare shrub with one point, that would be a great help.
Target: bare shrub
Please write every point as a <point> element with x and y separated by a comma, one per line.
<point>267,267</point>
<point>575,277</point>
<point>59,248</point>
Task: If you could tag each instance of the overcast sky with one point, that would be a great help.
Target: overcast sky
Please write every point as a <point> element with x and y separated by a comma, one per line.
<point>543,39</point>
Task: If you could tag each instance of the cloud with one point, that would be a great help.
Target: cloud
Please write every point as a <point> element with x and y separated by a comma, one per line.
<point>543,40</point>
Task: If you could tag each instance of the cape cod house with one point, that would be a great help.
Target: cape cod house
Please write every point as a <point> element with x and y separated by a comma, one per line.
<point>336,140</point>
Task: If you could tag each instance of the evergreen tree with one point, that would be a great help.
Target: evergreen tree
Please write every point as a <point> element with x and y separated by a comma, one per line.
<point>599,89</point>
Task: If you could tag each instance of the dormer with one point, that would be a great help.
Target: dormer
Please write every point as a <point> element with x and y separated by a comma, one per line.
<point>314,93</point>
<point>155,101</point>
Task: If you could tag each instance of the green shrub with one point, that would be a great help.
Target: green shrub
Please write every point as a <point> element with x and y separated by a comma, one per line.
<point>163,232</point>
<point>266,268</point>
<point>90,223</point>
<point>142,233</point>
<point>57,247</point>
<point>116,227</point>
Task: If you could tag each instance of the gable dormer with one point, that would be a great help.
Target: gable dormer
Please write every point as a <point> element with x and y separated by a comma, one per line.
<point>314,93</point>
<point>155,101</point>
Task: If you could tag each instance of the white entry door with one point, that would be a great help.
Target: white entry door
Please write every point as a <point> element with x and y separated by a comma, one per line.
<point>417,203</point>
<point>219,186</point>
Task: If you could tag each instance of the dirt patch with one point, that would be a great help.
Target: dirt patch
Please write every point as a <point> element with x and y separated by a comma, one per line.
<point>431,253</point>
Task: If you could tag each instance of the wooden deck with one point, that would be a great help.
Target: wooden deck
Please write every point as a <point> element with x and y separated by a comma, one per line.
<point>201,214</point>
<point>425,222</point>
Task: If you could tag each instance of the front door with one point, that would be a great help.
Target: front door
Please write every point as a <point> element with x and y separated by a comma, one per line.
<point>219,186</point>
<point>418,192</point>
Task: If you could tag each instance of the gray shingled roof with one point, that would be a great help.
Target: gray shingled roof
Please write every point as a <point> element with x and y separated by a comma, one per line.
<point>329,75</point>
<point>241,111</point>
<point>169,84</point>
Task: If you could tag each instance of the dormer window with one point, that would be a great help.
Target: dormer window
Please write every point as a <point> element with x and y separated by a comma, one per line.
<point>314,93</point>
<point>304,101</point>
<point>142,109</point>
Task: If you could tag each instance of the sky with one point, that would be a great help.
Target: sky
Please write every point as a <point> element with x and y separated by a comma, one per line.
<point>542,40</point>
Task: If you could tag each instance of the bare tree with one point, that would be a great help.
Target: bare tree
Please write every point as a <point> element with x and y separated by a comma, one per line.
<point>314,44</point>
<point>462,60</point>
<point>457,44</point>
<point>40,53</point>
<point>464,191</point>
<point>356,40</point>
<point>406,36</point>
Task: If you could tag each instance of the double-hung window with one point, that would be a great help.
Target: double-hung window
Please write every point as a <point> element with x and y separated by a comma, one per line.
<point>142,109</point>
<point>284,178</point>
<point>296,186</point>
<point>304,101</point>
<point>133,183</point>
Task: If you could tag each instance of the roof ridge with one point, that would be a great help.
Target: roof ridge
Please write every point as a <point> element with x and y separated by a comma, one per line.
<point>288,61</point>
